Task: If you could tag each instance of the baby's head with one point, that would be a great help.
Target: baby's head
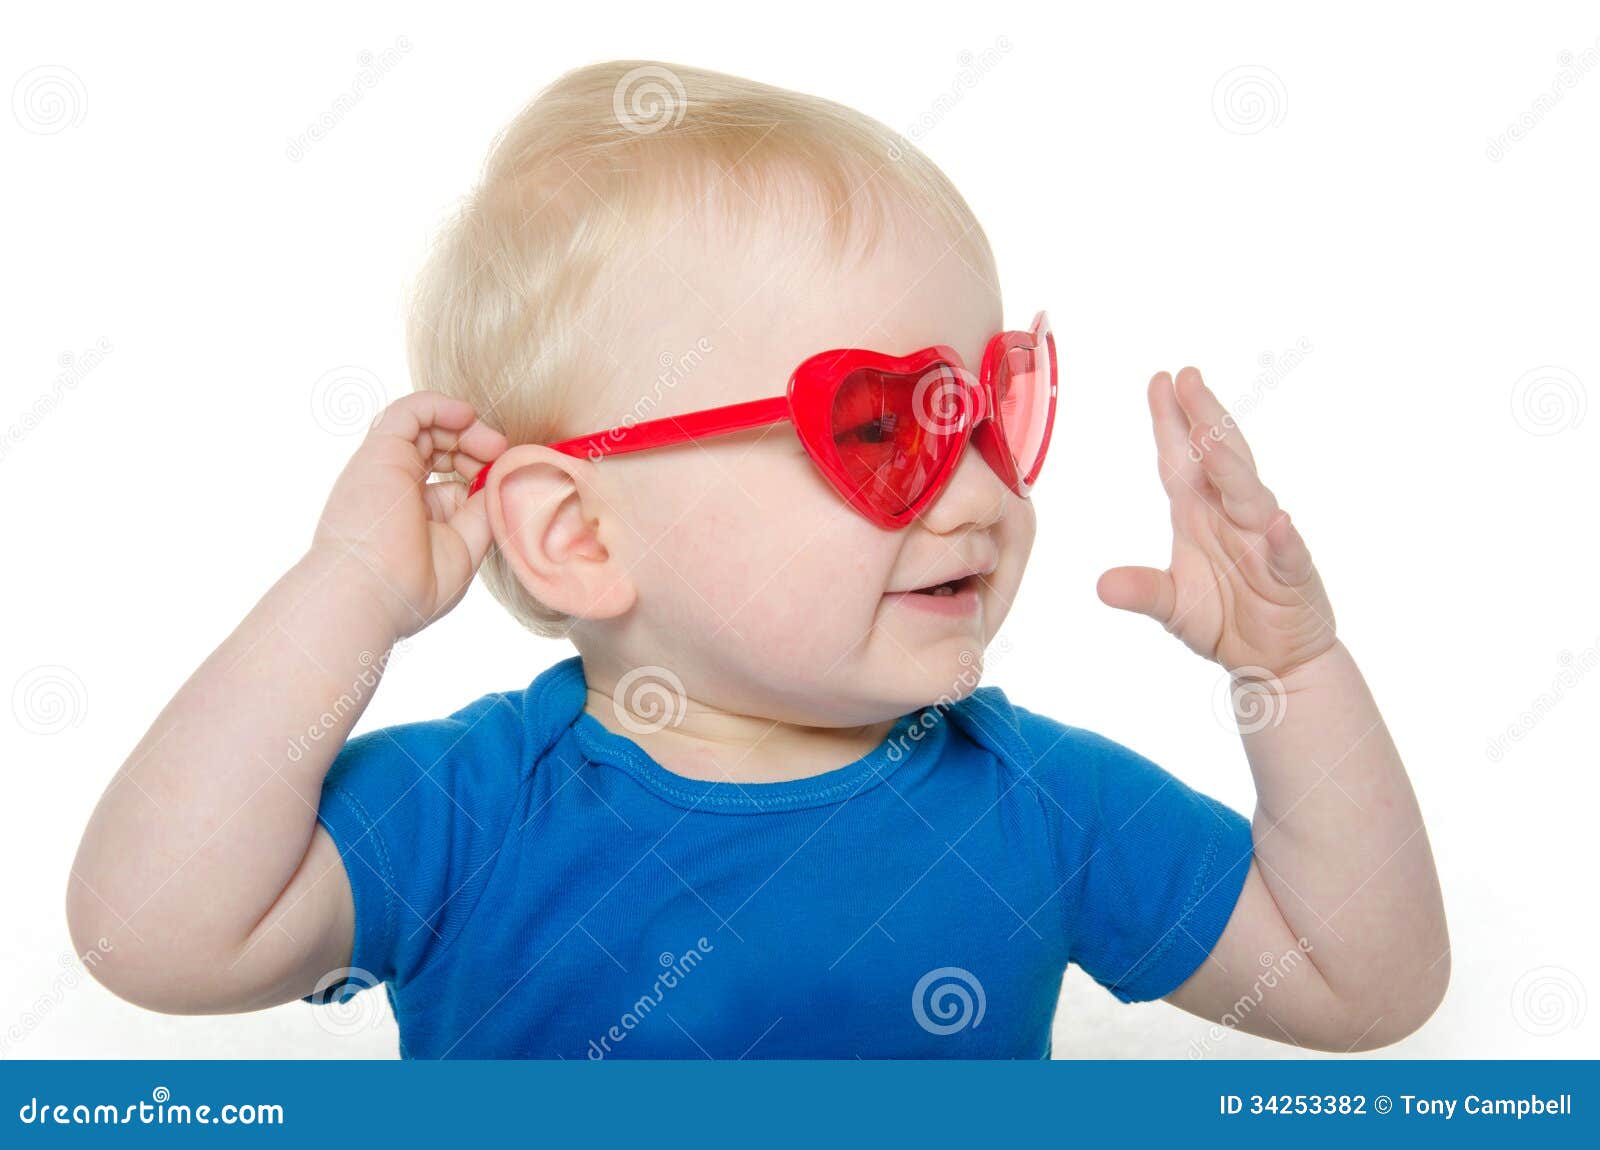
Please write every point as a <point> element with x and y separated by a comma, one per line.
<point>650,241</point>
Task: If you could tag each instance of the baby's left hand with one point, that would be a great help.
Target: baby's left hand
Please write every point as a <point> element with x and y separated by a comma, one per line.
<point>1242,589</point>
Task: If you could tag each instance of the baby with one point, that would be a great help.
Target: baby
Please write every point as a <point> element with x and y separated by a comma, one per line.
<point>713,381</point>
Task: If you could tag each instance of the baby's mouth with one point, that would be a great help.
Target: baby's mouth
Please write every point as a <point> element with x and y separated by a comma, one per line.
<point>949,587</point>
<point>954,597</point>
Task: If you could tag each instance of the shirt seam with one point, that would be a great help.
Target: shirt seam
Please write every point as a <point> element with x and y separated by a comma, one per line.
<point>1007,758</point>
<point>1196,892</point>
<point>525,775</point>
<point>1053,835</point>
<point>369,830</point>
<point>863,776</point>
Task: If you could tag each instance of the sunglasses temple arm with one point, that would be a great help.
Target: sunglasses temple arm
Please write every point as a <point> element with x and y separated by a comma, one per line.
<point>665,432</point>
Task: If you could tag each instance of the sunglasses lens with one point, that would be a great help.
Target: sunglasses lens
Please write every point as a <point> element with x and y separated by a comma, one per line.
<point>894,431</point>
<point>1024,380</point>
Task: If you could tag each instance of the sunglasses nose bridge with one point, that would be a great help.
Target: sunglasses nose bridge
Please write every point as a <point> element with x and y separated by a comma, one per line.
<point>978,424</point>
<point>981,403</point>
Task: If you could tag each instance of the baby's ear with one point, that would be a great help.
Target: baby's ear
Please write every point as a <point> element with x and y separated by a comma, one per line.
<point>549,524</point>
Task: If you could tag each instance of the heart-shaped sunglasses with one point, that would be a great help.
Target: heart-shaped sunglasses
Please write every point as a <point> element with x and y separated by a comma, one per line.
<point>887,431</point>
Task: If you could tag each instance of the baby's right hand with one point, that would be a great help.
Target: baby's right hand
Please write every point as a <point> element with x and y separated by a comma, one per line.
<point>416,544</point>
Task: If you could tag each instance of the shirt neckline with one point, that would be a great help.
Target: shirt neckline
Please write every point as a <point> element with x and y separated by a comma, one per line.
<point>566,690</point>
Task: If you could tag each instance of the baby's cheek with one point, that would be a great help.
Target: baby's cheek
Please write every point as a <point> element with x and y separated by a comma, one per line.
<point>717,567</point>
<point>1017,532</point>
<point>809,607</point>
<point>1019,529</point>
<point>778,563</point>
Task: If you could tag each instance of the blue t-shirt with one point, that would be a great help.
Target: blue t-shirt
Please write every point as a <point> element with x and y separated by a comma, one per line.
<point>529,884</point>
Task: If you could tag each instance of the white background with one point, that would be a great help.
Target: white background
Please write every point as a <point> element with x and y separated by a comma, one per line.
<point>1358,209</point>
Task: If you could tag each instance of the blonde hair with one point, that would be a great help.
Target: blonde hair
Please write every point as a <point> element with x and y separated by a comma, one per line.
<point>580,175</point>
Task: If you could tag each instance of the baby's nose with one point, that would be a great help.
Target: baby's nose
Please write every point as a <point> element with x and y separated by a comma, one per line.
<point>974,499</point>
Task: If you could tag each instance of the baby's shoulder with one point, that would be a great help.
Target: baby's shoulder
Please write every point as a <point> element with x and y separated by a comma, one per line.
<point>1026,740</point>
<point>480,747</point>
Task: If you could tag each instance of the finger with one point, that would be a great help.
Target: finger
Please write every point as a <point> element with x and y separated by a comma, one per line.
<point>469,450</point>
<point>402,436</point>
<point>1179,470</point>
<point>1245,499</point>
<point>407,416</point>
<point>1142,590</point>
<point>427,431</point>
<point>1201,406</point>
<point>461,464</point>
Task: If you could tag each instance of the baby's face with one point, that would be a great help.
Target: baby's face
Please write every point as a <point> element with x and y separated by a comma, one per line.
<point>756,583</point>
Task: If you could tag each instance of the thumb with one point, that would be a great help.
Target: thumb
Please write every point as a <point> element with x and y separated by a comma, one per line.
<point>458,546</point>
<point>1142,590</point>
<point>471,522</point>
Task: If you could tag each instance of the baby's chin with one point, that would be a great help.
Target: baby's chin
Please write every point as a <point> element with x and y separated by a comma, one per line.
<point>879,683</point>
<point>947,673</point>
<point>900,681</point>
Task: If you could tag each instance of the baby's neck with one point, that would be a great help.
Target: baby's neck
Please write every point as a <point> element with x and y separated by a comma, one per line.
<point>718,746</point>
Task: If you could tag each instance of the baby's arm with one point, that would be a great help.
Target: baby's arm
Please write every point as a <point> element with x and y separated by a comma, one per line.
<point>1341,862</point>
<point>1338,939</point>
<point>203,861</point>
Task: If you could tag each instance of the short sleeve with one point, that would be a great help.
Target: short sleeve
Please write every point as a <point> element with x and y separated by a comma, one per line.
<point>418,812</point>
<point>1151,869</point>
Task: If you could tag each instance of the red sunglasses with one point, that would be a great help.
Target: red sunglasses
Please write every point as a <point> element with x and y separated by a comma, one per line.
<point>887,431</point>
